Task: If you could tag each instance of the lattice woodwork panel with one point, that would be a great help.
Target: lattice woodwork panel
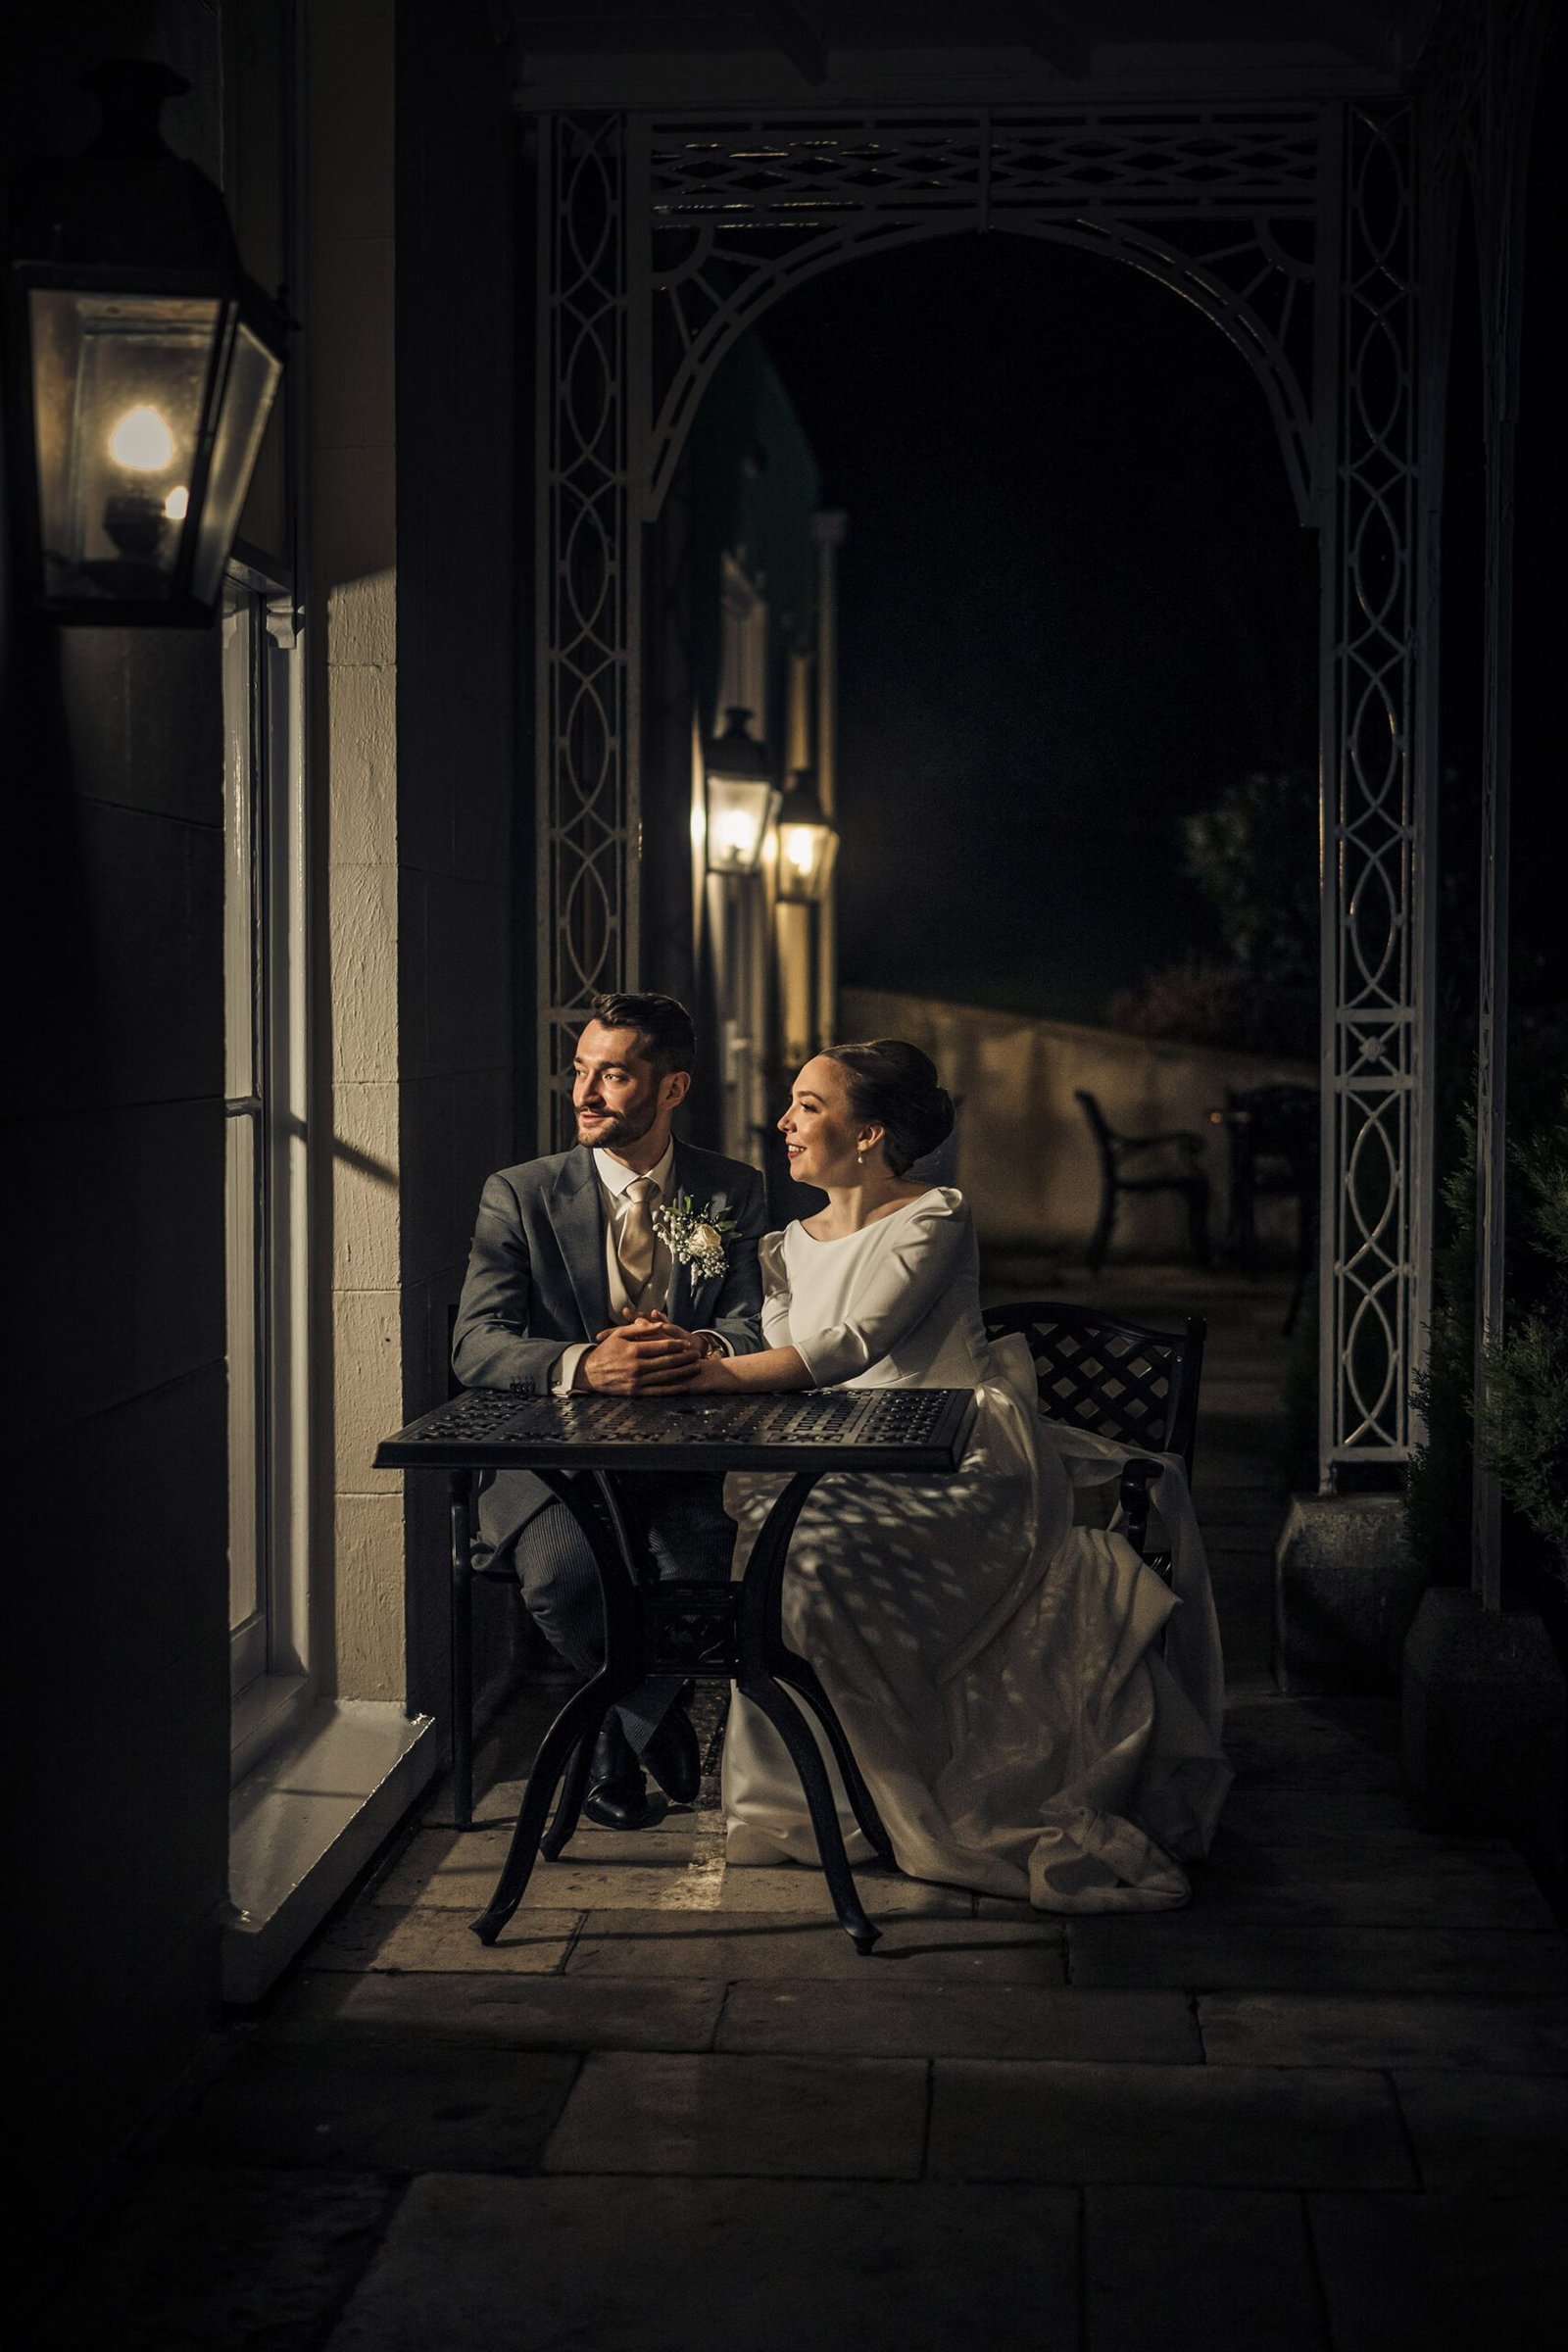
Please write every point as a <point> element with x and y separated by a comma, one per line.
<point>587,809</point>
<point>1376,832</point>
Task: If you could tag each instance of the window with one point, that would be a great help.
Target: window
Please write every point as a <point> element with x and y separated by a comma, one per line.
<point>743,671</point>
<point>263,1006</point>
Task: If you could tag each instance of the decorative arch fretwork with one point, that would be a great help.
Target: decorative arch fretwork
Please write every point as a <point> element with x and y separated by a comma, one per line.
<point>664,239</point>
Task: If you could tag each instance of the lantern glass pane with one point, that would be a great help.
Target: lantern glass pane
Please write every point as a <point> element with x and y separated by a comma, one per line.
<point>119,382</point>
<point>245,404</point>
<point>738,810</point>
<point>806,855</point>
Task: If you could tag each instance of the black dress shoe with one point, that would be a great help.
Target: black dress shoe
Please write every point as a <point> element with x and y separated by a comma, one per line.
<point>673,1757</point>
<point>617,1798</point>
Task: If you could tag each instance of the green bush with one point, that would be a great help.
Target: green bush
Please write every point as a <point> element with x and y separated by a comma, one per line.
<point>1437,1494</point>
<point>1524,1413</point>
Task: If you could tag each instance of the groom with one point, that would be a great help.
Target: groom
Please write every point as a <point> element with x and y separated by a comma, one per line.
<point>570,1287</point>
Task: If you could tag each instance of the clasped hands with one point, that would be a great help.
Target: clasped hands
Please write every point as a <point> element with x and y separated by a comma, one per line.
<point>648,1356</point>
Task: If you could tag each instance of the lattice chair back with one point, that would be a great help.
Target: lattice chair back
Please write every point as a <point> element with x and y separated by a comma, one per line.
<point>1128,1382</point>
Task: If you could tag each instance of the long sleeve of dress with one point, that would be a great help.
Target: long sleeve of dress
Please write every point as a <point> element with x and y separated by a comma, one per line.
<point>900,1288</point>
<point>775,1292</point>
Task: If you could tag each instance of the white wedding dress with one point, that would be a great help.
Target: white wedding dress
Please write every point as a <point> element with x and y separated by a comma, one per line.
<point>1037,1713</point>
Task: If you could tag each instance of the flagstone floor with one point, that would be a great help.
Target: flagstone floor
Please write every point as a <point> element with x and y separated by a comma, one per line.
<point>1325,2106</point>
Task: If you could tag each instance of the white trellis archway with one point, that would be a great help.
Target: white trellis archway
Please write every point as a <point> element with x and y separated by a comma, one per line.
<point>1293,227</point>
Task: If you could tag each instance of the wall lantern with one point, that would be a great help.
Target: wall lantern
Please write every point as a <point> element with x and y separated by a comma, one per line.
<point>142,371</point>
<point>808,845</point>
<point>741,798</point>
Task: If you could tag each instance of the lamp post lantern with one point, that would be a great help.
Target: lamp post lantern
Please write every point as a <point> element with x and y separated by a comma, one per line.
<point>741,798</point>
<point>808,843</point>
<point>143,366</point>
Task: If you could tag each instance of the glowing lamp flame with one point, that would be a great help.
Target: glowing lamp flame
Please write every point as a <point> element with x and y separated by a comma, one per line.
<point>142,442</point>
<point>176,506</point>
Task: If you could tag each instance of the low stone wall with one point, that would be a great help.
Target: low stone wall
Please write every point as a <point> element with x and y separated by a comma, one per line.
<point>1025,1157</point>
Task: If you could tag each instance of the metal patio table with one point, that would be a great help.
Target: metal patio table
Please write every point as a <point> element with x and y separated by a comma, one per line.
<point>583,1447</point>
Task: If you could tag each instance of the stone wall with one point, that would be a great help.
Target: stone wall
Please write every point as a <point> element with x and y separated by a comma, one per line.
<point>116,1639</point>
<point>1025,1156</point>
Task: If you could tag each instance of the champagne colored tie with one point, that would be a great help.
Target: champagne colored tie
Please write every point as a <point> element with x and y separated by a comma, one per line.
<point>637,1238</point>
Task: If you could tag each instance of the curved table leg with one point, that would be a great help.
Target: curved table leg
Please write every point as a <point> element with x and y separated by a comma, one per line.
<point>796,1674</point>
<point>573,1789</point>
<point>782,1713</point>
<point>568,1745</point>
<point>765,1666</point>
<point>574,1728</point>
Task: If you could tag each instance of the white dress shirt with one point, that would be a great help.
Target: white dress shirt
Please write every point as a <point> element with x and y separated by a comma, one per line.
<point>614,1181</point>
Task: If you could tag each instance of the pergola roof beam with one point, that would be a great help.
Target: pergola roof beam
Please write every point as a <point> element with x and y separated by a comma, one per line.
<point>1047,31</point>
<point>1369,39</point>
<point>796,36</point>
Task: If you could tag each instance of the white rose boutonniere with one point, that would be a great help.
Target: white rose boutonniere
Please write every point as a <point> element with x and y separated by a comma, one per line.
<point>695,1236</point>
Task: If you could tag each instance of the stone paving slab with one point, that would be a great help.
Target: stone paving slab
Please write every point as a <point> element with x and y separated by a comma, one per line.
<point>793,1887</point>
<point>460,1881</point>
<point>206,2258</point>
<point>1501,2136</point>
<point>1292,1743</point>
<point>924,2019</point>
<point>1442,2273</point>
<point>1223,2270</point>
<point>1210,1953</point>
<point>517,2012</point>
<point>796,1950</point>
<point>535,1943</point>
<point>417,2108</point>
<point>456,1870</point>
<point>753,2266</point>
<point>855,2119</point>
<point>1406,1891</point>
<point>1264,2029</point>
<point>1338,1818</point>
<point>1176,2125</point>
<point>1276,1834</point>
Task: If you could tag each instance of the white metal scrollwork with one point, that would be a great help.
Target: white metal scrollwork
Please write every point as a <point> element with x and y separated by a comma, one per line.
<point>1290,226</point>
<point>588,598</point>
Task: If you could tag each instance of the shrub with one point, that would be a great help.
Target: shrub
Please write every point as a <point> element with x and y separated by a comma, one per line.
<point>1524,1413</point>
<point>1437,1494</point>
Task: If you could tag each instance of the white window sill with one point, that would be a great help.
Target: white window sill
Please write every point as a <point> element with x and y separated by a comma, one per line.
<point>307,1820</point>
<point>261,1718</point>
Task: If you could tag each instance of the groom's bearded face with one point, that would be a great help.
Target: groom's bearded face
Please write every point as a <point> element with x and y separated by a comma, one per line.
<point>614,1089</point>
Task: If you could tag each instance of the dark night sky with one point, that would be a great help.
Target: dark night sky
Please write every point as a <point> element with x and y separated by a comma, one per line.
<point>1076,603</point>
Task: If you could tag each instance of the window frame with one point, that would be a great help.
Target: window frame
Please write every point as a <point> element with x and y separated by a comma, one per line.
<point>267,1038</point>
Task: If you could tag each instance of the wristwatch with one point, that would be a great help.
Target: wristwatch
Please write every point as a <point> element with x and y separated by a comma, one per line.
<point>710,1342</point>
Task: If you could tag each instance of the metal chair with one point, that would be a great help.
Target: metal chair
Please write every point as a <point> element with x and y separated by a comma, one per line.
<point>1128,1382</point>
<point>1273,1134</point>
<point>1116,1149</point>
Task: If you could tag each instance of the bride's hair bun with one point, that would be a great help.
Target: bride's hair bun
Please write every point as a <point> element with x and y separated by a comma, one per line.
<point>896,1085</point>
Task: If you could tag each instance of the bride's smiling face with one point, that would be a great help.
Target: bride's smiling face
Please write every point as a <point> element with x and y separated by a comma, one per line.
<point>821,1133</point>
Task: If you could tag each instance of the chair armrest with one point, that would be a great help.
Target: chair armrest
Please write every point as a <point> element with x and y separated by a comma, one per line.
<point>1137,1477</point>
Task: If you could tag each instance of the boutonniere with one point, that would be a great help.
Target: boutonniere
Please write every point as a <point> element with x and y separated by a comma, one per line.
<point>695,1236</point>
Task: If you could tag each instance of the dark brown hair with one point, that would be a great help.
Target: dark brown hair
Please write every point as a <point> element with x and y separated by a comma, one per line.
<point>663,1023</point>
<point>895,1086</point>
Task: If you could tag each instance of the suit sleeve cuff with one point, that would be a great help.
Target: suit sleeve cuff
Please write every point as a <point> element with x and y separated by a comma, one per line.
<point>563,1371</point>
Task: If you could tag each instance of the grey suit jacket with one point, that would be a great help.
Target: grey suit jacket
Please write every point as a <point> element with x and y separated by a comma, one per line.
<point>537,1281</point>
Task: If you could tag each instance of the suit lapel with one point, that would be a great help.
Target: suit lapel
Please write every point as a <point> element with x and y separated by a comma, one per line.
<point>579,1224</point>
<point>684,1299</point>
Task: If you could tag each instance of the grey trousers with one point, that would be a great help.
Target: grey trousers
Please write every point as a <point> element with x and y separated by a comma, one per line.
<point>688,1532</point>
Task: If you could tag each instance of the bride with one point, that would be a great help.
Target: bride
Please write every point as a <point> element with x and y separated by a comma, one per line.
<point>997,1670</point>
